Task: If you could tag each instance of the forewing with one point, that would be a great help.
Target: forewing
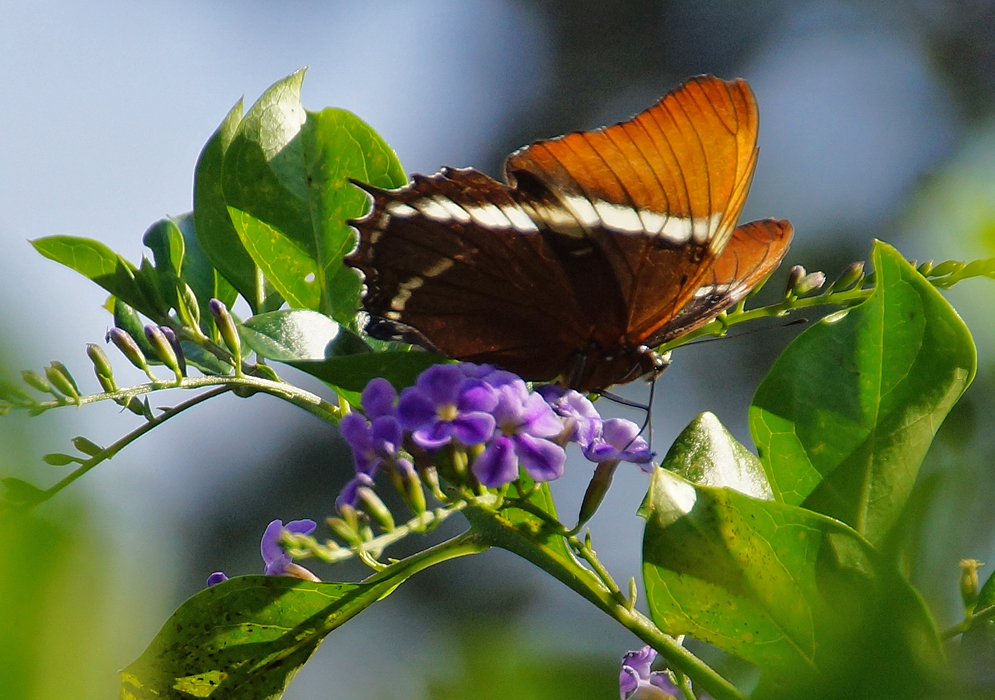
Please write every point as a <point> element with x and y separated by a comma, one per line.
<point>453,260</point>
<point>658,194</point>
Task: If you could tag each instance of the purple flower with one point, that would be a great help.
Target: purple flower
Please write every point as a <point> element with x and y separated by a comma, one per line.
<point>637,682</point>
<point>373,444</point>
<point>349,495</point>
<point>278,562</point>
<point>583,419</point>
<point>619,440</point>
<point>524,420</point>
<point>444,405</point>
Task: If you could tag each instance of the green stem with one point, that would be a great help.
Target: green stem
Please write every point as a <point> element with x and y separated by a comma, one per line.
<point>111,450</point>
<point>500,532</point>
<point>312,403</point>
<point>719,327</point>
<point>986,613</point>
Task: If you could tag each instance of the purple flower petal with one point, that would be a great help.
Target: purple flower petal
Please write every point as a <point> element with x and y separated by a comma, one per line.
<point>473,428</point>
<point>640,661</point>
<point>476,396</point>
<point>356,431</point>
<point>441,383</point>
<point>415,410</point>
<point>378,398</point>
<point>216,578</point>
<point>386,434</point>
<point>497,464</point>
<point>301,527</point>
<point>270,544</point>
<point>538,419</point>
<point>433,436</point>
<point>542,459</point>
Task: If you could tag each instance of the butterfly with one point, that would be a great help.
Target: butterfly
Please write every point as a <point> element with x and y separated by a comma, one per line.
<point>602,245</point>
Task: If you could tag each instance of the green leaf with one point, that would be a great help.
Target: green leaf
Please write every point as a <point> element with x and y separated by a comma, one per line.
<point>97,262</point>
<point>707,454</point>
<point>21,493</point>
<point>978,642</point>
<point>285,180</point>
<point>353,372</point>
<point>242,639</point>
<point>294,335</point>
<point>791,591</point>
<point>845,417</point>
<point>214,230</point>
<point>204,361</point>
<point>338,145</point>
<point>283,261</point>
<point>165,241</point>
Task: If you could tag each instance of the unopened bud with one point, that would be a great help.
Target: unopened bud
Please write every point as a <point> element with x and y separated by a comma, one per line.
<point>375,507</point>
<point>129,348</point>
<point>346,526</point>
<point>86,446</point>
<point>969,582</point>
<point>946,268</point>
<point>15,395</point>
<point>58,374</point>
<point>596,491</point>
<point>101,367</point>
<point>157,339</point>
<point>925,268</point>
<point>794,277</point>
<point>226,327</point>
<point>810,283</point>
<point>414,493</point>
<point>36,381</point>
<point>430,477</point>
<point>851,274</point>
<point>57,459</point>
<point>177,349</point>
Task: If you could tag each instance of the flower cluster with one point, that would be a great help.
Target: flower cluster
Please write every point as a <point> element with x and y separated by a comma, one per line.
<point>492,415</point>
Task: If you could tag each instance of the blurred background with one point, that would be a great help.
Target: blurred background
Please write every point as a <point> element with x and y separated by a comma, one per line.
<point>877,121</point>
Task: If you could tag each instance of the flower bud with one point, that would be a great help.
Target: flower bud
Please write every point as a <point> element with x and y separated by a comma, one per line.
<point>412,489</point>
<point>177,349</point>
<point>794,277</point>
<point>227,329</point>
<point>925,268</point>
<point>851,275</point>
<point>15,395</point>
<point>86,446</point>
<point>375,507</point>
<point>129,348</point>
<point>946,268</point>
<point>58,374</point>
<point>101,367</point>
<point>345,527</point>
<point>810,283</point>
<point>969,582</point>
<point>36,381</point>
<point>157,339</point>
<point>596,491</point>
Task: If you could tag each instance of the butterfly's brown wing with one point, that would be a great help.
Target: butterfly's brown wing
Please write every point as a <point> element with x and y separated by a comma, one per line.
<point>453,262</point>
<point>656,198</point>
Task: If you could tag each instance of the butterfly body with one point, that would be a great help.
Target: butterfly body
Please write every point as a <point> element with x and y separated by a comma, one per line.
<point>601,245</point>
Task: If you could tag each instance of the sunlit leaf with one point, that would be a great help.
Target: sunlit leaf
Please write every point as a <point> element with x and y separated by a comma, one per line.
<point>789,590</point>
<point>296,335</point>
<point>707,454</point>
<point>845,417</point>
<point>243,639</point>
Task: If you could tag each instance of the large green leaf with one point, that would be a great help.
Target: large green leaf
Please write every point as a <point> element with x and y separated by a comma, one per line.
<point>352,372</point>
<point>244,638</point>
<point>845,417</point>
<point>215,231</point>
<point>789,590</point>
<point>287,170</point>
